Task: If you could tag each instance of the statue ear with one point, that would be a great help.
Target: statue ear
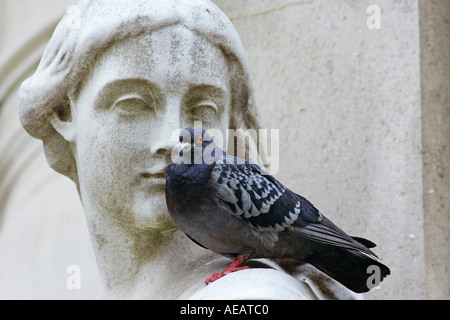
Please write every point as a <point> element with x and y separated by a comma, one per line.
<point>63,122</point>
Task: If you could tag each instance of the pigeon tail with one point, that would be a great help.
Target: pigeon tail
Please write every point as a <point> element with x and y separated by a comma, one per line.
<point>354,269</point>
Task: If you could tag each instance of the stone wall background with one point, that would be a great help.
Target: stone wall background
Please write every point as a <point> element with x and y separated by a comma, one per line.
<point>364,134</point>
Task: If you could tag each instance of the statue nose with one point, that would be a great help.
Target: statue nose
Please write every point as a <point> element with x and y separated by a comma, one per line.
<point>168,131</point>
<point>163,148</point>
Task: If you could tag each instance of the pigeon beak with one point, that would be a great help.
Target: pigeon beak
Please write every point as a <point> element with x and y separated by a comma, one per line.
<point>184,147</point>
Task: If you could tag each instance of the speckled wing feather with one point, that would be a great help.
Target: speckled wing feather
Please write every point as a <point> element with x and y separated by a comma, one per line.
<point>265,204</point>
<point>251,196</point>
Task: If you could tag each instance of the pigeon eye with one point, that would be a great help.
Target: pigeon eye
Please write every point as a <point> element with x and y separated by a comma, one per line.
<point>200,140</point>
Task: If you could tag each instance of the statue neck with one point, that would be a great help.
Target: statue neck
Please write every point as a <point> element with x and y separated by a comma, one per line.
<point>135,263</point>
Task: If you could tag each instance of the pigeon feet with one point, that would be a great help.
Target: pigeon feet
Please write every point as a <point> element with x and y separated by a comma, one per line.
<point>233,267</point>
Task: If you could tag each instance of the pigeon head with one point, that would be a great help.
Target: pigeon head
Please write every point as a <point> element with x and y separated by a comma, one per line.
<point>195,136</point>
<point>195,144</point>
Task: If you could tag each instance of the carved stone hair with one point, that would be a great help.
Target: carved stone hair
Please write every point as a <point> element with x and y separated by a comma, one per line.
<point>71,52</point>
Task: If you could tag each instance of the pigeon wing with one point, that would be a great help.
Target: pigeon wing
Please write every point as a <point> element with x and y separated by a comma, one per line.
<point>253,197</point>
<point>265,204</point>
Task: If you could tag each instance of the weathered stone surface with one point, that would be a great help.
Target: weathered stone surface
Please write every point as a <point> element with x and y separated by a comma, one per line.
<point>363,119</point>
<point>110,92</point>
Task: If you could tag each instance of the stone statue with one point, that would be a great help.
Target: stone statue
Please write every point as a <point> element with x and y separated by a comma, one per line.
<point>107,96</point>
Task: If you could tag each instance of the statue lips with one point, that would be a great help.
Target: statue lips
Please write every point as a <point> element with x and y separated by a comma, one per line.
<point>152,183</point>
<point>154,177</point>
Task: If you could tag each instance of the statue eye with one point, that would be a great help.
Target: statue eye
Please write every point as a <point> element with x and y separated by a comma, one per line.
<point>204,111</point>
<point>131,105</point>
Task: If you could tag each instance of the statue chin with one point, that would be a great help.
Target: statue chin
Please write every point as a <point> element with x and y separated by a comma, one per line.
<point>150,213</point>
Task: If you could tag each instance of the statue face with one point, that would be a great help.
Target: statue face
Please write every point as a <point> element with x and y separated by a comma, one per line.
<point>139,92</point>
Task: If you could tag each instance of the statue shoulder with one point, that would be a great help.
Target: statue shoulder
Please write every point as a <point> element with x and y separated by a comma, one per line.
<point>307,283</point>
<point>257,284</point>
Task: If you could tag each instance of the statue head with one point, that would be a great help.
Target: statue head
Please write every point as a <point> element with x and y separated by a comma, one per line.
<point>109,93</point>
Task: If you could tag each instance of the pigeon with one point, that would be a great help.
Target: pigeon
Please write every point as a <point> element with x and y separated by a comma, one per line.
<point>234,208</point>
